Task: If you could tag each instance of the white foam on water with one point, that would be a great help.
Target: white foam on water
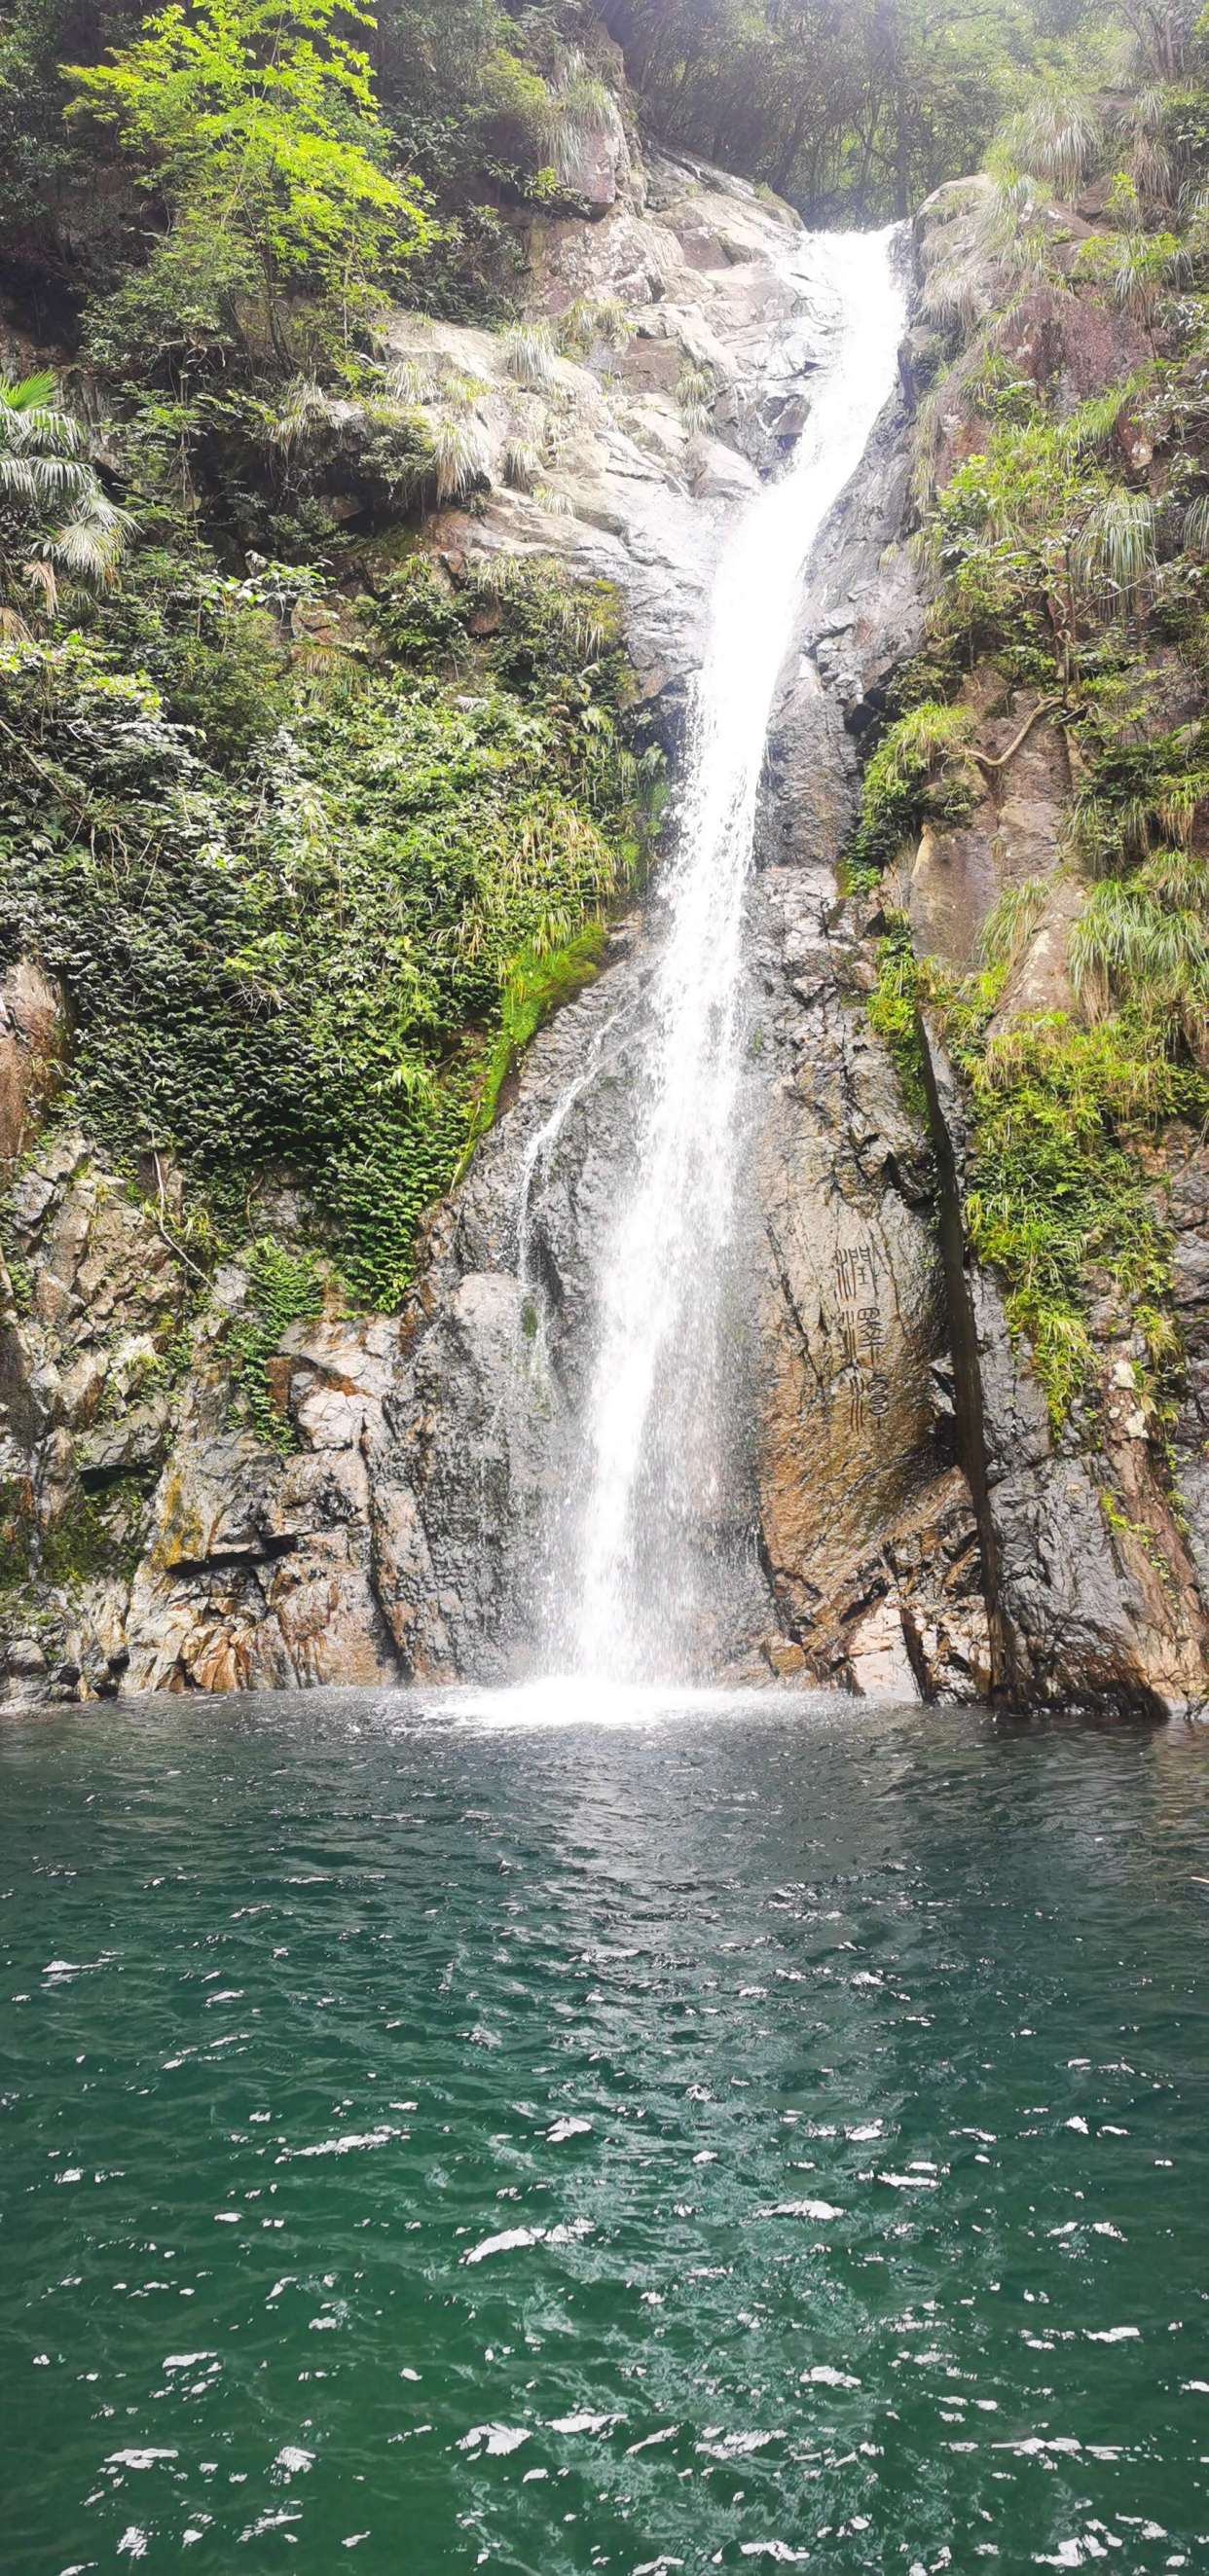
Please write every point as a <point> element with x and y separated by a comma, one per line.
<point>294,2460</point>
<point>512,2239</point>
<point>497,2439</point>
<point>354,2142</point>
<point>816,2209</point>
<point>576,1699</point>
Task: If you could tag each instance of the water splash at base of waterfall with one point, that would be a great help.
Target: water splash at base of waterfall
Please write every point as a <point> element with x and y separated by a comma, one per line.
<point>636,1554</point>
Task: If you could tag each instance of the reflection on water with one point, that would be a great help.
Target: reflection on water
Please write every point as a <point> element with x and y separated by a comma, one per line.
<point>683,2137</point>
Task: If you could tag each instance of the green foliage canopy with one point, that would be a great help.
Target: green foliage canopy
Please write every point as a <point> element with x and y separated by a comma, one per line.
<point>256,121</point>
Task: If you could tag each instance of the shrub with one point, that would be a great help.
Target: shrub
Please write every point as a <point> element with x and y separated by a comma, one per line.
<point>1055,1188</point>
<point>919,766</point>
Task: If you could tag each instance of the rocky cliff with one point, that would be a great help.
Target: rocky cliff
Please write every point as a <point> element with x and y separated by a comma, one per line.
<point>1081,1399</point>
<point>904,1517</point>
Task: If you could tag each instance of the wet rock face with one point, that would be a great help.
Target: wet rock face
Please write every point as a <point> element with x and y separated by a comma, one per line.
<point>862,1514</point>
<point>687,284</point>
<point>257,1570</point>
<point>1095,1541</point>
<point>849,1320</point>
<point>1090,1556</point>
<point>1013,834</point>
<point>90,1291</point>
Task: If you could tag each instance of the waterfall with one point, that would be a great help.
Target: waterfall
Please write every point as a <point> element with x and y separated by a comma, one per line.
<point>654,1451</point>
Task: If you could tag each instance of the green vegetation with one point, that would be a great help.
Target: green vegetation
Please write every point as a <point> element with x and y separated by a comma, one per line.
<point>894,1006</point>
<point>268,167</point>
<point>1146,936</point>
<point>1064,565</point>
<point>304,959</point>
<point>289,149</point>
<point>60,534</point>
<point>1057,1196</point>
<point>921,767</point>
<point>536,984</point>
<point>93,1536</point>
<point>857,112</point>
<point>1035,540</point>
<point>316,833</point>
<point>1059,1200</point>
<point>284,1288</point>
<point>256,126</point>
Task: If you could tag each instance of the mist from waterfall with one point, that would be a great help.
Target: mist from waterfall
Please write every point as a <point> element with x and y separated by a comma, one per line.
<point>636,1557</point>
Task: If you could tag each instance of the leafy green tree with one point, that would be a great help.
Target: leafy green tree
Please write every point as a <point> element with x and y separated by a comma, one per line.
<point>254,122</point>
<point>58,528</point>
<point>857,106</point>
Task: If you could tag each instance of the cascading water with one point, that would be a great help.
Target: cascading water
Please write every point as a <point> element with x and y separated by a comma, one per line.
<point>655,1433</point>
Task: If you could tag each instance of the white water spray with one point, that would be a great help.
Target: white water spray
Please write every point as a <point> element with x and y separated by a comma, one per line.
<point>654,1481</point>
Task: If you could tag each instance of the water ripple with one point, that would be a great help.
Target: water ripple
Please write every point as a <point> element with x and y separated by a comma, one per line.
<point>769,2133</point>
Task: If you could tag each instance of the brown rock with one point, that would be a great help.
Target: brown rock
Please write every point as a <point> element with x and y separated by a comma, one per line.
<point>33,1037</point>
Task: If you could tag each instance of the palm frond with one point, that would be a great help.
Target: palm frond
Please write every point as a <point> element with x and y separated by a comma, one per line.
<point>90,549</point>
<point>39,574</point>
<point>45,481</point>
<point>27,393</point>
<point>71,529</point>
